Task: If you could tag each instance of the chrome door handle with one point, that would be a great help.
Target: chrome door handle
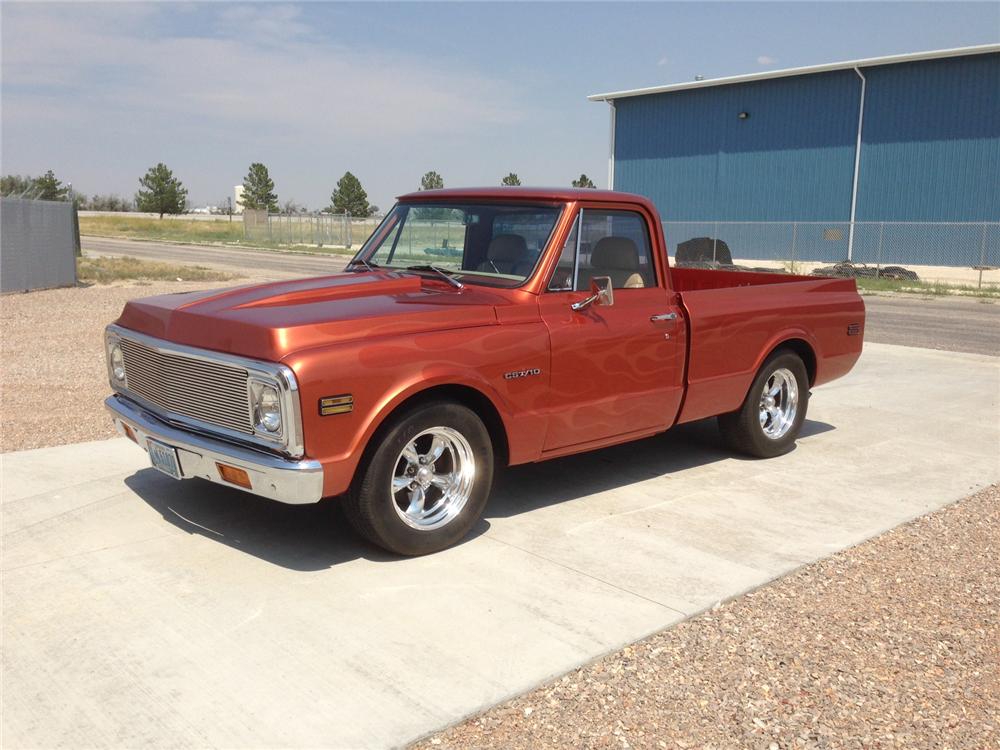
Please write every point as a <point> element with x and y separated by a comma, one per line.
<point>664,316</point>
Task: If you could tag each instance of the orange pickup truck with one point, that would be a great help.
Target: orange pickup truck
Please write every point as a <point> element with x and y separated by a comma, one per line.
<point>474,329</point>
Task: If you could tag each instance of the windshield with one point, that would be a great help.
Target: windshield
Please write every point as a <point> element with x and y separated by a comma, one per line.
<point>497,244</point>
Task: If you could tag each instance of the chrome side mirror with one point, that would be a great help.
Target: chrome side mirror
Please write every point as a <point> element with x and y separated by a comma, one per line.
<point>601,293</point>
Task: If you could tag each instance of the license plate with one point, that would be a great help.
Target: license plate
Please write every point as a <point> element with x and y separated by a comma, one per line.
<point>164,458</point>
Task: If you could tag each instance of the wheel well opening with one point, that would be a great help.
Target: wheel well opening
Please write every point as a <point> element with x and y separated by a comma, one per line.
<point>805,352</point>
<point>468,397</point>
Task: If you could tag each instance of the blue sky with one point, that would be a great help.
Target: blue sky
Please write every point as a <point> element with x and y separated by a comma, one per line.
<point>99,92</point>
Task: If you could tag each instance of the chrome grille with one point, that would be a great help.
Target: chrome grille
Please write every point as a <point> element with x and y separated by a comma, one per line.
<point>210,392</point>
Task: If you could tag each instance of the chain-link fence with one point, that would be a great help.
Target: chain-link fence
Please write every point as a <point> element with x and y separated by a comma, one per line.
<point>930,251</point>
<point>320,230</point>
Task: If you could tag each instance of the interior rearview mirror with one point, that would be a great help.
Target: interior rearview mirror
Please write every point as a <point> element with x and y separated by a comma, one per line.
<point>601,293</point>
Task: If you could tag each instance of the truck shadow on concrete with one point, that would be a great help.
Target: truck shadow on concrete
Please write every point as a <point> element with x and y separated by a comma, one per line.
<point>298,537</point>
<point>318,536</point>
<point>521,489</point>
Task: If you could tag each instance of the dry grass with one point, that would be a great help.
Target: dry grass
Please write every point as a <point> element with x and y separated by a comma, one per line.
<point>104,270</point>
<point>176,230</point>
<point>196,231</point>
<point>987,290</point>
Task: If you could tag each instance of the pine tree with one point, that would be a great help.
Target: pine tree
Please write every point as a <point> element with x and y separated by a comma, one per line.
<point>584,182</point>
<point>48,188</point>
<point>350,197</point>
<point>161,192</point>
<point>258,190</point>
<point>511,180</point>
<point>431,181</point>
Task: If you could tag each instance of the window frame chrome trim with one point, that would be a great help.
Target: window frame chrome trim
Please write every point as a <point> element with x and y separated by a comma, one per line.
<point>291,442</point>
<point>472,277</point>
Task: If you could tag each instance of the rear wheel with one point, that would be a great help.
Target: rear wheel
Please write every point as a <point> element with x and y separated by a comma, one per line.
<point>427,481</point>
<point>772,414</point>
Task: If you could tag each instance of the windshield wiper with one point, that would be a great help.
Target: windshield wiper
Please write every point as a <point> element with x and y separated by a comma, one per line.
<point>446,275</point>
<point>352,266</point>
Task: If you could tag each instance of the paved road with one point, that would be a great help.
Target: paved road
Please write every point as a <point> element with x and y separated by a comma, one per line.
<point>140,611</point>
<point>958,324</point>
<point>953,324</point>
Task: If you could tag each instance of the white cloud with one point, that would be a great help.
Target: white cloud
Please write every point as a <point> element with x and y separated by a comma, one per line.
<point>262,68</point>
<point>766,60</point>
<point>662,61</point>
<point>99,91</point>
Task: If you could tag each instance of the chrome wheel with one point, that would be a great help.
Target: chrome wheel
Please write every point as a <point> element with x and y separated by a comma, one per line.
<point>779,403</point>
<point>433,478</point>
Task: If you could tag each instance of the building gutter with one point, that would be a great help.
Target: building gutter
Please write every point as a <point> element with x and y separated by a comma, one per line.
<point>870,62</point>
<point>857,163</point>
<point>611,147</point>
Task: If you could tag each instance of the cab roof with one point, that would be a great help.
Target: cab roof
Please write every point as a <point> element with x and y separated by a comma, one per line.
<point>558,194</point>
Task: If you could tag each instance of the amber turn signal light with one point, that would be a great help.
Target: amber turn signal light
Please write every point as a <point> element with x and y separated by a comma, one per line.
<point>129,433</point>
<point>336,405</point>
<point>233,475</point>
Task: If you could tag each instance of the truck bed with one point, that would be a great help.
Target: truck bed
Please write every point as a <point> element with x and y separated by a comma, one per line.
<point>736,318</point>
<point>700,279</point>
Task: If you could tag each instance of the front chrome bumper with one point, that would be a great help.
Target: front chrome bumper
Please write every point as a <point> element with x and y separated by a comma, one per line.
<point>283,479</point>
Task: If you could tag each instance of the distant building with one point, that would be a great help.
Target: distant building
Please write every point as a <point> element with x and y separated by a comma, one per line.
<point>906,138</point>
<point>238,199</point>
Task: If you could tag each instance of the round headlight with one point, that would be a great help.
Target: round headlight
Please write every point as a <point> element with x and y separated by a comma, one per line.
<point>117,364</point>
<point>267,409</point>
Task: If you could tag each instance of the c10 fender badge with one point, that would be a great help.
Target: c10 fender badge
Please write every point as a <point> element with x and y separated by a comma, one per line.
<point>521,373</point>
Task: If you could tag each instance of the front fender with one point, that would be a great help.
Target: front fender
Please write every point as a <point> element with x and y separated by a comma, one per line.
<point>382,375</point>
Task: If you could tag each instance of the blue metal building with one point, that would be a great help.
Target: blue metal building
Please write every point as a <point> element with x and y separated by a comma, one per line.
<point>908,138</point>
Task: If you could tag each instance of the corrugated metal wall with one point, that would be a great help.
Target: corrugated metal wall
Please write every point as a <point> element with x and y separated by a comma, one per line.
<point>791,159</point>
<point>37,244</point>
<point>931,148</point>
<point>931,141</point>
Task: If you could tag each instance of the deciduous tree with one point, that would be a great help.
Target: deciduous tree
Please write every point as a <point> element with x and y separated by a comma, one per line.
<point>511,180</point>
<point>105,203</point>
<point>431,181</point>
<point>16,185</point>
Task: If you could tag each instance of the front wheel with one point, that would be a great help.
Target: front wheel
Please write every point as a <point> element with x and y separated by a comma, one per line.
<point>427,481</point>
<point>772,414</point>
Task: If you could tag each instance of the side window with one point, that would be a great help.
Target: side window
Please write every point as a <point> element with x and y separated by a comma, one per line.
<point>562,277</point>
<point>612,243</point>
<point>615,244</point>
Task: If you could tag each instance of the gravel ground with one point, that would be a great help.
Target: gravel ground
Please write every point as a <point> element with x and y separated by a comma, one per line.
<point>58,398</point>
<point>893,643</point>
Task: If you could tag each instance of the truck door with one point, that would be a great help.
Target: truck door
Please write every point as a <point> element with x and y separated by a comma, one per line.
<point>615,369</point>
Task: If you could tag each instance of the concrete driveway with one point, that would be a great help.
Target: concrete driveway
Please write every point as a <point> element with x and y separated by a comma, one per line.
<point>140,611</point>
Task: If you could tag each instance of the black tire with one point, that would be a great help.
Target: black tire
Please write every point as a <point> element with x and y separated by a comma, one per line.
<point>742,429</point>
<point>371,506</point>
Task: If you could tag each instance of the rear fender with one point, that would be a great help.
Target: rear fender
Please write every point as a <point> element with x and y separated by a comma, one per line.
<point>784,338</point>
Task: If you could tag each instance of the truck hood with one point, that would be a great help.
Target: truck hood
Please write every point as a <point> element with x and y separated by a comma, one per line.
<point>270,321</point>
